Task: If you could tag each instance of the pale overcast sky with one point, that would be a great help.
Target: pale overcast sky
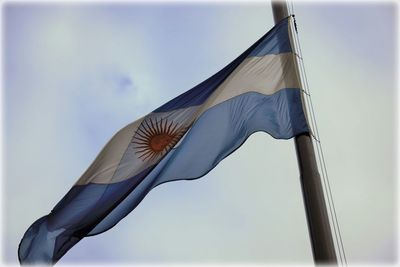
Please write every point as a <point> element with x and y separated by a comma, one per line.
<point>74,74</point>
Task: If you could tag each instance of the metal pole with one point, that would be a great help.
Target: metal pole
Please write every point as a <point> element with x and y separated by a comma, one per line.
<point>314,202</point>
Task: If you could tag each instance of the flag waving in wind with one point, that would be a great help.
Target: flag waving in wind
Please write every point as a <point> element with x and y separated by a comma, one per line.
<point>181,140</point>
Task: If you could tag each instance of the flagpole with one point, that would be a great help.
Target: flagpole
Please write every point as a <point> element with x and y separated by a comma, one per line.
<point>317,218</point>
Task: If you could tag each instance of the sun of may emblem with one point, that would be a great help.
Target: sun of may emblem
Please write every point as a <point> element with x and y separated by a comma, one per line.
<point>154,138</point>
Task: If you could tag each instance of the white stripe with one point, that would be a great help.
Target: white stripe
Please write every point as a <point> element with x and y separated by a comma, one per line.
<point>265,75</point>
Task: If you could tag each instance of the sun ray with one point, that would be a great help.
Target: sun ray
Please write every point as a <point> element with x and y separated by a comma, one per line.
<point>146,154</point>
<point>149,128</point>
<point>152,125</point>
<point>173,129</point>
<point>169,128</point>
<point>144,129</point>
<point>139,140</point>
<point>160,125</point>
<point>157,126</point>
<point>141,133</point>
<point>165,125</point>
<point>142,148</point>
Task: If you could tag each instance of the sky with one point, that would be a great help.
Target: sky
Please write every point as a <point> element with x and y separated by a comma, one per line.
<point>74,74</point>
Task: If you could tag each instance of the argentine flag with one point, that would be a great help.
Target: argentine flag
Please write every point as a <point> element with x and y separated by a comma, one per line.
<point>181,140</point>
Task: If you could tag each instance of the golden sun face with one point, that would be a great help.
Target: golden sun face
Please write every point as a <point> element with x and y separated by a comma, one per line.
<point>154,138</point>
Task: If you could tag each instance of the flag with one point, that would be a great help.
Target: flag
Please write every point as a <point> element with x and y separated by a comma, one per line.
<point>181,140</point>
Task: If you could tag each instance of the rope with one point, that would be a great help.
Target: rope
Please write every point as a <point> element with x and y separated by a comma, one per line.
<point>321,161</point>
<point>318,145</point>
<point>322,164</point>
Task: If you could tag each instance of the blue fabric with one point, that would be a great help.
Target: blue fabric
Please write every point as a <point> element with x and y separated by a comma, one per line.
<point>276,41</point>
<point>81,209</point>
<point>94,208</point>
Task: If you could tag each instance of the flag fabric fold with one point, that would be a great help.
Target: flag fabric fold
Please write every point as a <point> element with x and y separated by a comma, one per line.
<point>182,140</point>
